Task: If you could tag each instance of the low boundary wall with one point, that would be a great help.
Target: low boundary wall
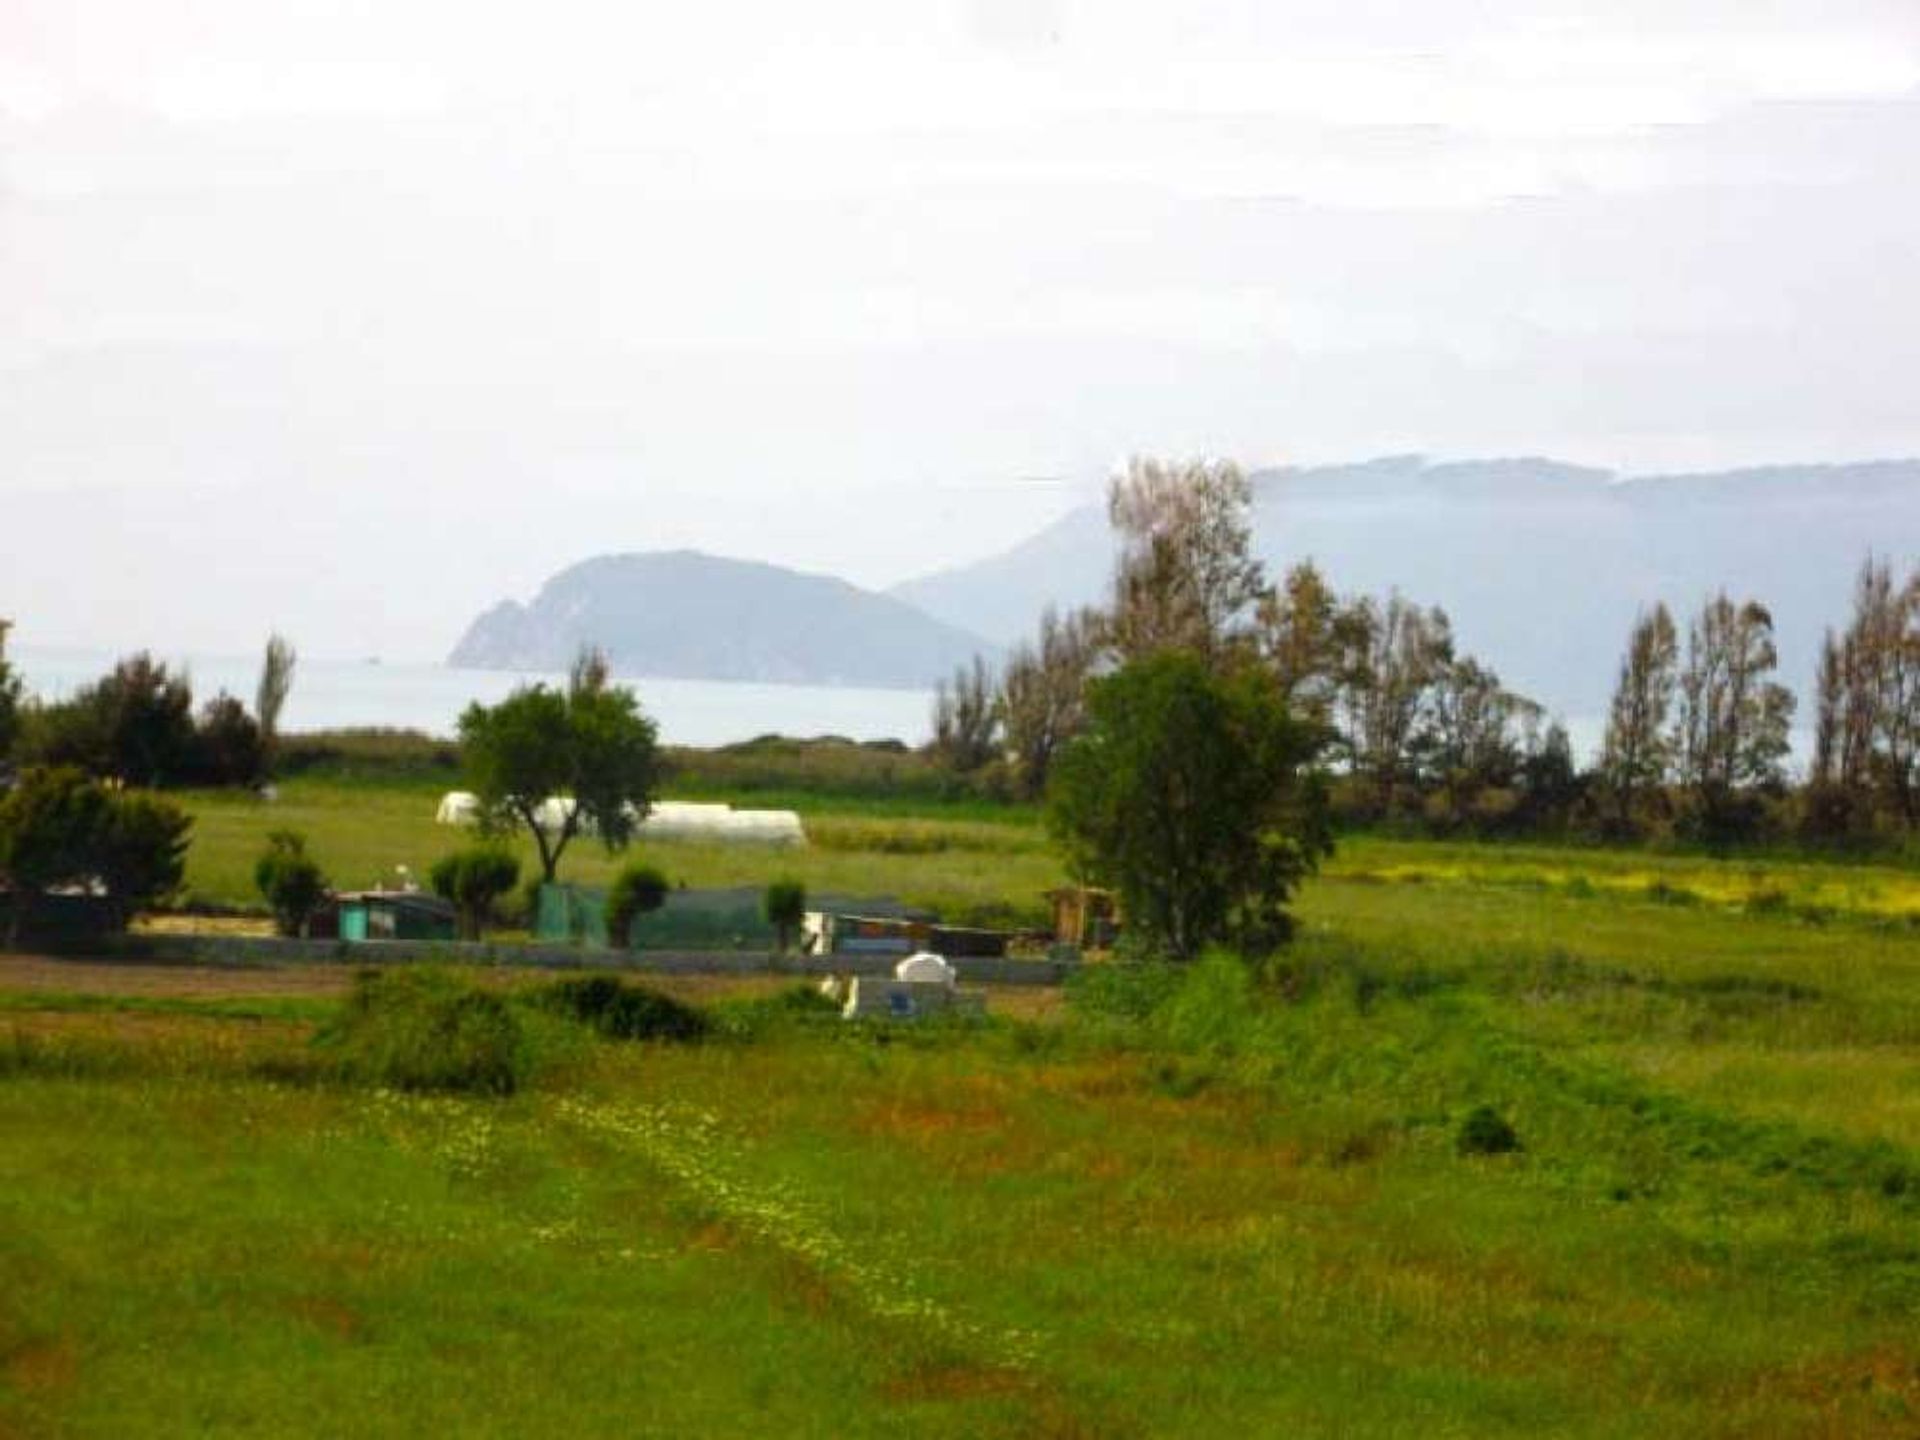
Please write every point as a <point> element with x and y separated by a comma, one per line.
<point>260,951</point>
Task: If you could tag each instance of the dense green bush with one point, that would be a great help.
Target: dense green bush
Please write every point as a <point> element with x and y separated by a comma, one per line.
<point>420,1028</point>
<point>228,746</point>
<point>58,827</point>
<point>1126,991</point>
<point>785,906</point>
<point>623,1011</point>
<point>473,881</point>
<point>637,890</point>
<point>1486,1131</point>
<point>290,880</point>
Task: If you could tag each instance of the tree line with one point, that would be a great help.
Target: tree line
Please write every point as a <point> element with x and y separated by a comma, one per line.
<point>78,816</point>
<point>1420,733</point>
<point>136,725</point>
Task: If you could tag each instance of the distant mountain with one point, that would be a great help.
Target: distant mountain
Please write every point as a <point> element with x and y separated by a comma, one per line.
<point>691,616</point>
<point>1540,564</point>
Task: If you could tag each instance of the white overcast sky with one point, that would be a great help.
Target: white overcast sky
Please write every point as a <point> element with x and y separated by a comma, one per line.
<point>355,316</point>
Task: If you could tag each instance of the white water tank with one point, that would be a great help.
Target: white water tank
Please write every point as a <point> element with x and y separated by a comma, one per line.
<point>924,968</point>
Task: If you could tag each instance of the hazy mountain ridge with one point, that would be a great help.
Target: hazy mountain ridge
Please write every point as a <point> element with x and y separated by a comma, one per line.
<point>681,614</point>
<point>1540,564</point>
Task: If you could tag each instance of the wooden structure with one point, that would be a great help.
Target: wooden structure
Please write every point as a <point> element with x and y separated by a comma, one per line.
<point>1084,917</point>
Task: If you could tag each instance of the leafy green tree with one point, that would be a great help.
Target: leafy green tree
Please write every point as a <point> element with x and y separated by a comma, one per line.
<point>637,890</point>
<point>229,748</point>
<point>291,881</point>
<point>473,880</point>
<point>785,906</point>
<point>140,851</point>
<point>590,749</point>
<point>135,724</point>
<point>50,823</point>
<point>1191,794</point>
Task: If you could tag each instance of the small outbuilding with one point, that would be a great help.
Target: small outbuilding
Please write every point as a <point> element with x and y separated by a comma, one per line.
<point>395,915</point>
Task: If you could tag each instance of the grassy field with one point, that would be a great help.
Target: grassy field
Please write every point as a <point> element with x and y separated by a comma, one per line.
<point>992,864</point>
<point>1200,1208</point>
<point>1201,1205</point>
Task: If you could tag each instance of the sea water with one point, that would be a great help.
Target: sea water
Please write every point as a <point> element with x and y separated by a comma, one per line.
<point>342,694</point>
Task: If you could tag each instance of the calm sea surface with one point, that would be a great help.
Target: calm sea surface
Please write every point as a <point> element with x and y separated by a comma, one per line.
<point>333,694</point>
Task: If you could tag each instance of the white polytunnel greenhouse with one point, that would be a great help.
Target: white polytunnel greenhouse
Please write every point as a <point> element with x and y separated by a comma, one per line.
<point>668,820</point>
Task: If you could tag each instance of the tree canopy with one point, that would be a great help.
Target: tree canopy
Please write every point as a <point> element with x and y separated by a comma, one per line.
<point>58,827</point>
<point>1191,794</point>
<point>590,748</point>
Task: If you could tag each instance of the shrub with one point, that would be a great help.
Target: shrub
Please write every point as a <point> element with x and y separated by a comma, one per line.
<point>623,1011</point>
<point>1129,990</point>
<point>637,890</point>
<point>140,852</point>
<point>228,747</point>
<point>1486,1131</point>
<point>57,827</point>
<point>290,880</point>
<point>474,880</point>
<point>1212,1010</point>
<point>1661,893</point>
<point>423,1029</point>
<point>800,1006</point>
<point>785,906</point>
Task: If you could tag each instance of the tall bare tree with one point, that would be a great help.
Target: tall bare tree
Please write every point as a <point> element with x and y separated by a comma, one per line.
<point>1399,653</point>
<point>1308,637</point>
<point>1479,732</point>
<point>270,695</point>
<point>1734,719</point>
<point>1187,578</point>
<point>1867,734</point>
<point>966,718</point>
<point>1042,693</point>
<point>1637,753</point>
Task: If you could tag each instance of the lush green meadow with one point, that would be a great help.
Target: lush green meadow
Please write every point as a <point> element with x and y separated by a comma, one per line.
<point>1233,1206</point>
<point>1223,1204</point>
<point>990,863</point>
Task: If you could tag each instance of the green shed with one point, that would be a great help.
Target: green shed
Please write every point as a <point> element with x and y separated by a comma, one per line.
<point>395,915</point>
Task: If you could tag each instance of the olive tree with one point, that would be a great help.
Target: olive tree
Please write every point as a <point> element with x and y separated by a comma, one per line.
<point>589,749</point>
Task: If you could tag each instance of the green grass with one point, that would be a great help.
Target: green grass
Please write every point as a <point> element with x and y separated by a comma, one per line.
<point>968,868</point>
<point>1239,1208</point>
<point>1199,1206</point>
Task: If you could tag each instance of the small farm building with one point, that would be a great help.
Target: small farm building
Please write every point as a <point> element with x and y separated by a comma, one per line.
<point>395,915</point>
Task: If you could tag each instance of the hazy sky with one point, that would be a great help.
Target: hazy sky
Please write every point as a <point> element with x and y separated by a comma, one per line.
<point>352,316</point>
